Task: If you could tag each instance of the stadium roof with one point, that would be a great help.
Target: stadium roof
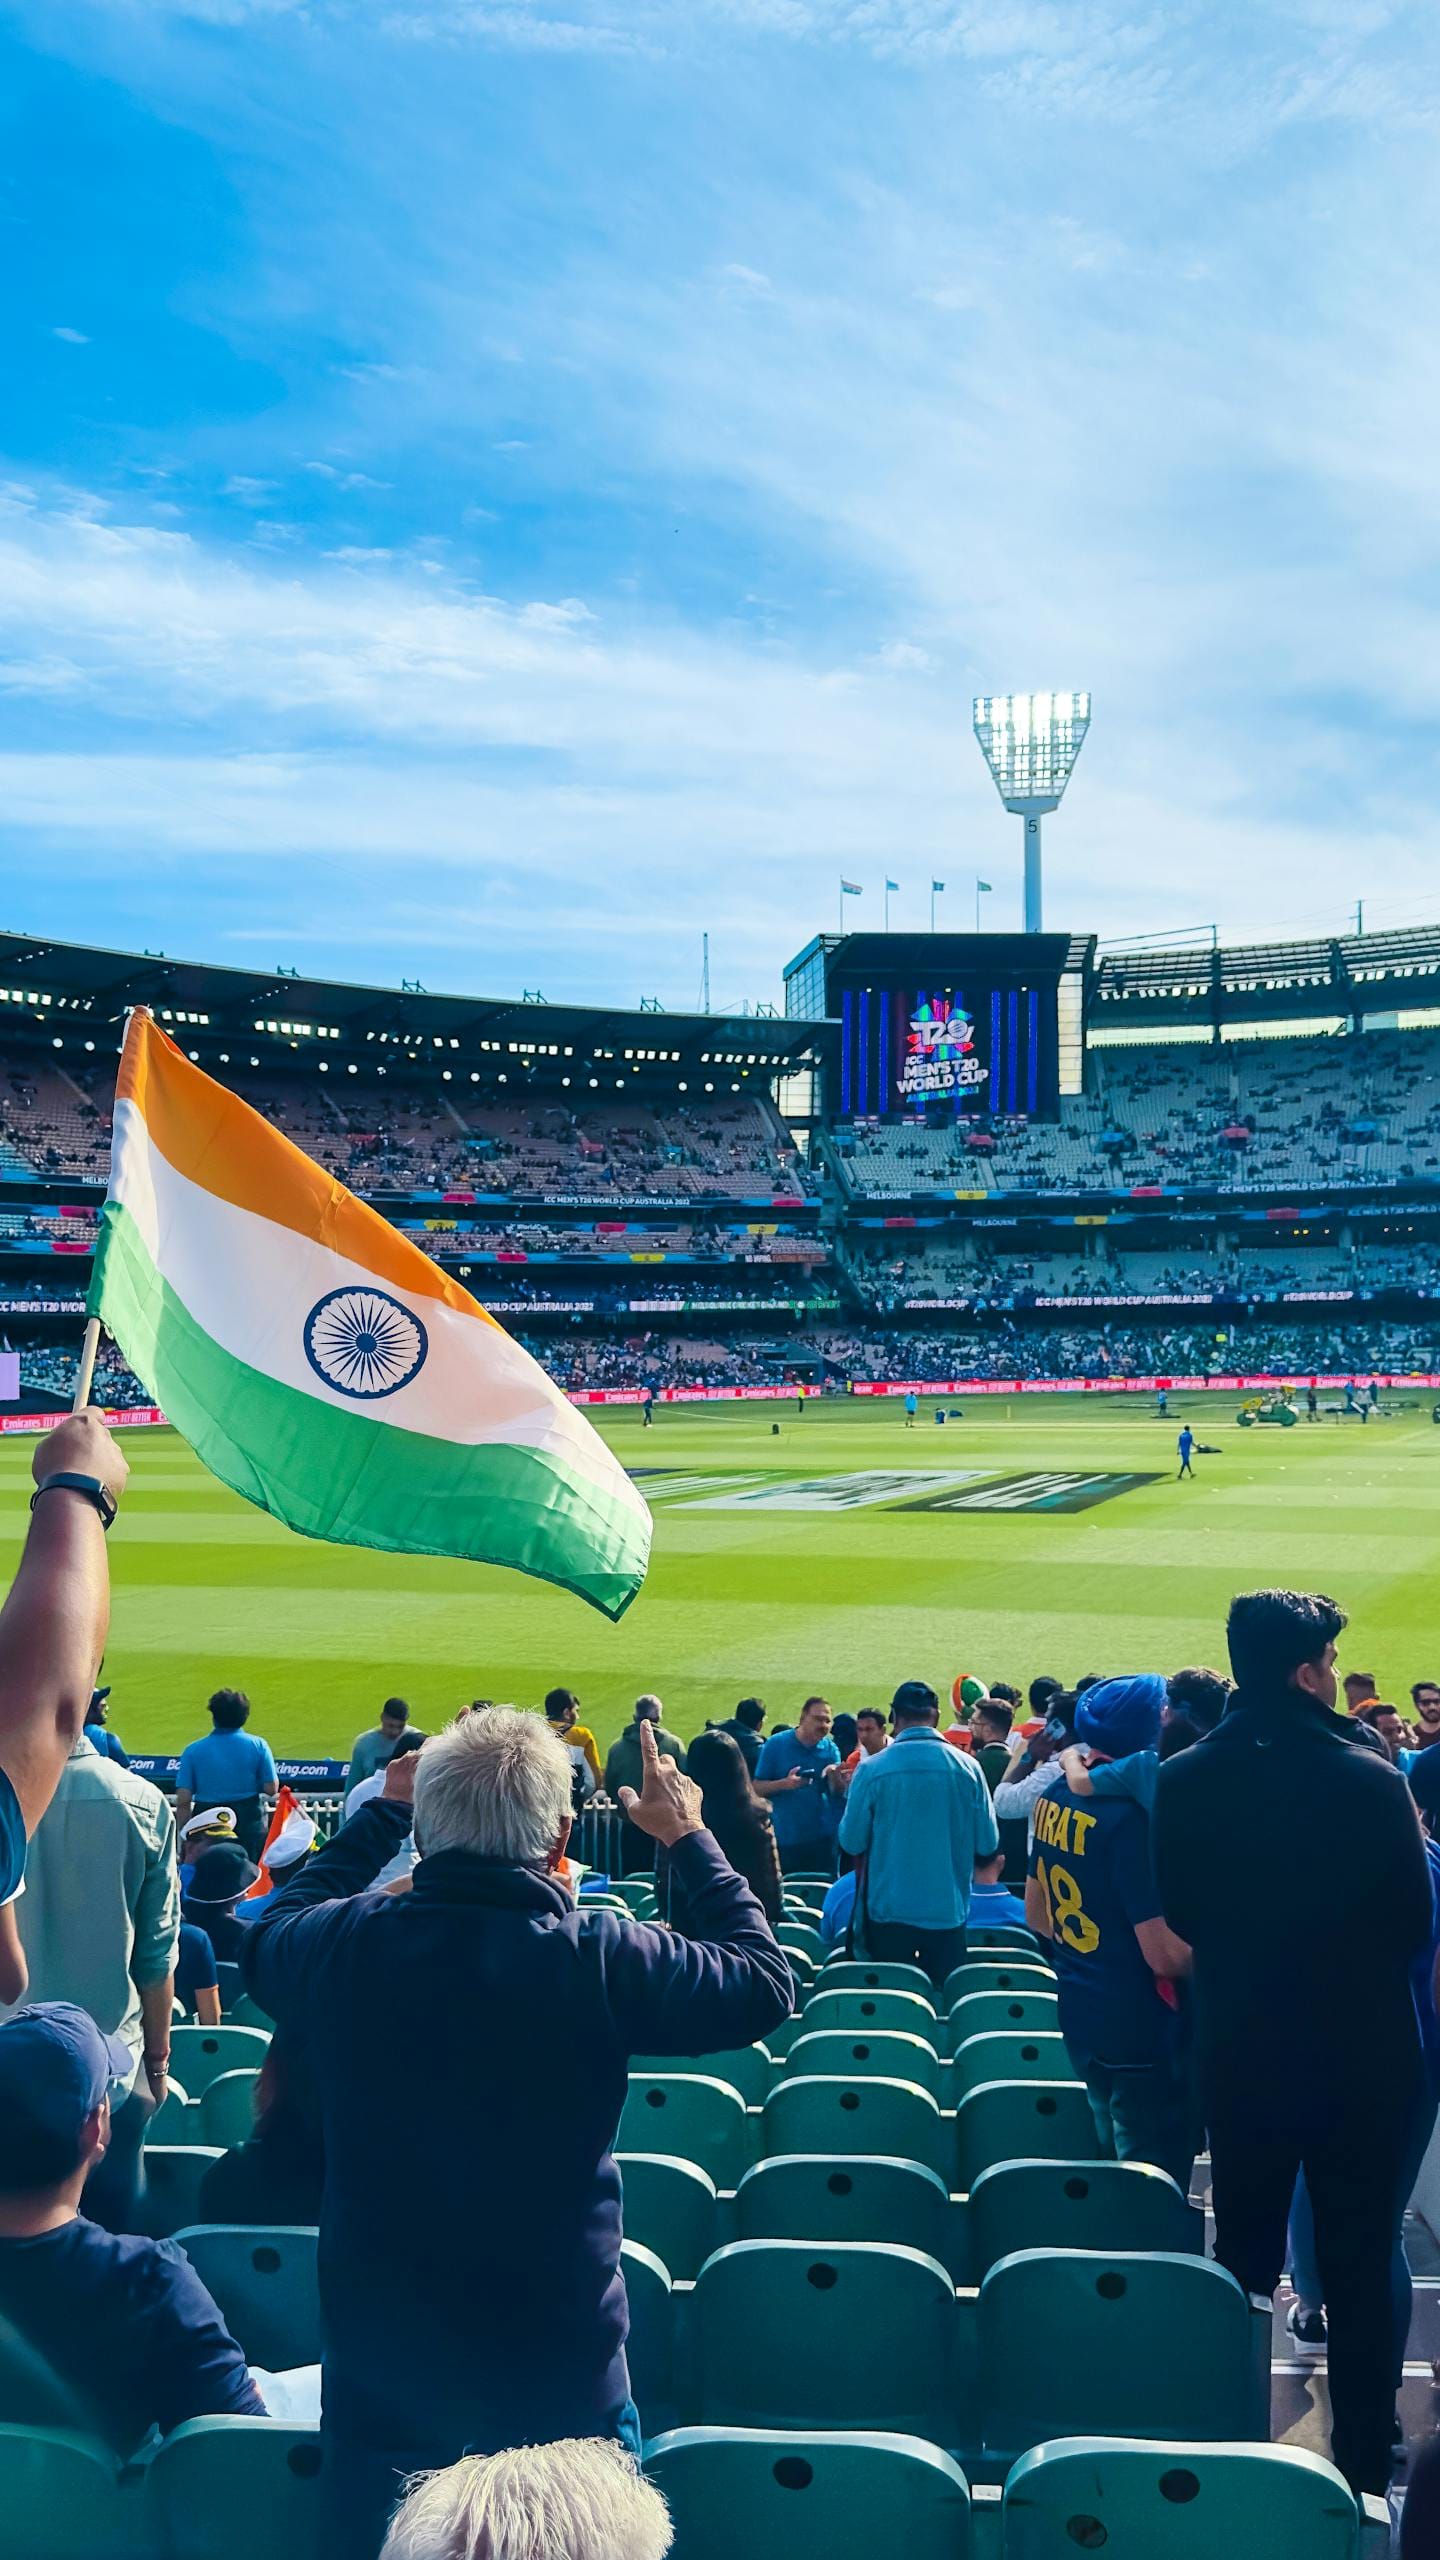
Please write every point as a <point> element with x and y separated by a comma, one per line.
<point>44,980</point>
<point>1344,976</point>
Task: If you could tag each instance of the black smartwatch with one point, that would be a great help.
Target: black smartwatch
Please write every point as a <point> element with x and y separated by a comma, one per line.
<point>91,1486</point>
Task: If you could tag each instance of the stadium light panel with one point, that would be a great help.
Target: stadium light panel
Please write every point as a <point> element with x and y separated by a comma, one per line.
<point>1030,742</point>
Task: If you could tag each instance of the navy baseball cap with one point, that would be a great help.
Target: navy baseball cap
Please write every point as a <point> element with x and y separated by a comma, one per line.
<point>56,2066</point>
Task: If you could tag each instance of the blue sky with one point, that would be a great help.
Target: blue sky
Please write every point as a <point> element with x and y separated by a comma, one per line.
<point>495,488</point>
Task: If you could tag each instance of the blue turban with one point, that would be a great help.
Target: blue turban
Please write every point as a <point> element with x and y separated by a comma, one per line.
<point>1121,1716</point>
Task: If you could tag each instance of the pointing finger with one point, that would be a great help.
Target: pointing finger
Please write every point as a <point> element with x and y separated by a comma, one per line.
<point>648,1753</point>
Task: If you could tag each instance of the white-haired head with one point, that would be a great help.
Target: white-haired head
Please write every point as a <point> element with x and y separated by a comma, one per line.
<point>497,1783</point>
<point>583,2499</point>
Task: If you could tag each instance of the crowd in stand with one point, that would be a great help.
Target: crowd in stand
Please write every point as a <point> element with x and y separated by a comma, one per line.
<point>467,2199</point>
<point>408,1133</point>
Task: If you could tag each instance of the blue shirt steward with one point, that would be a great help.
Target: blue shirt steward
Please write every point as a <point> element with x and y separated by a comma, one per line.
<point>920,1815</point>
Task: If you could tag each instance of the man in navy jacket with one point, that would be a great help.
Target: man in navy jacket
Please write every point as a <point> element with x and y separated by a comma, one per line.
<point>469,2042</point>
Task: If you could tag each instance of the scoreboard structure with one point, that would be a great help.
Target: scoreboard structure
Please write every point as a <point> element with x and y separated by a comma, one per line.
<point>934,1026</point>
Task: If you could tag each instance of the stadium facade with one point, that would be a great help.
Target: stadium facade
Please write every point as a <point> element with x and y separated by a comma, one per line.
<point>953,1157</point>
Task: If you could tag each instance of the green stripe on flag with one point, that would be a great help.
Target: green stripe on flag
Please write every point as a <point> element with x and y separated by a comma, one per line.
<point>351,1478</point>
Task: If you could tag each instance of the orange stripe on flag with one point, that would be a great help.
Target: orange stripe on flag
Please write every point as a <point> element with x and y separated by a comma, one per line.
<point>214,1139</point>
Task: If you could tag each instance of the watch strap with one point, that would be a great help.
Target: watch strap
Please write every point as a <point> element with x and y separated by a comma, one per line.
<point>93,1488</point>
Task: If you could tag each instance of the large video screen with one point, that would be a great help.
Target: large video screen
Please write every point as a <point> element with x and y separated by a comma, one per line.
<point>978,1039</point>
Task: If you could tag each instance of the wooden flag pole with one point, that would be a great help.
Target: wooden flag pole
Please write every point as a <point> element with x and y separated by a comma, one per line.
<point>85,1374</point>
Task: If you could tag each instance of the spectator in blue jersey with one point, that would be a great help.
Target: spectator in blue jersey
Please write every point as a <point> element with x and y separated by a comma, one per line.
<point>52,1637</point>
<point>991,1905</point>
<point>108,1744</point>
<point>798,1773</point>
<point>229,1766</point>
<point>1092,1894</point>
<point>120,2330</point>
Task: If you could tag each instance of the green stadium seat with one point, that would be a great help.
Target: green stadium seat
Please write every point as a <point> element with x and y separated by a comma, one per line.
<point>892,2057</point>
<point>649,2348</point>
<point>1008,2057</point>
<point>803,1938</point>
<point>1006,1936</point>
<point>892,2117</point>
<point>981,2013</point>
<point>1021,2120</point>
<point>199,2055</point>
<point>813,2195</point>
<point>901,2013</point>
<point>770,2495</point>
<point>839,2333</point>
<point>847,1973</point>
<point>748,2069</point>
<point>173,2175</point>
<point>1078,2204</point>
<point>229,2488</point>
<point>670,2208</point>
<point>1186,2502</point>
<point>688,2118</point>
<point>1071,2341</point>
<point>229,1985</point>
<point>995,1972</point>
<point>247,2012</point>
<point>176,2121</point>
<point>807,1880</point>
<point>60,2496</point>
<point>226,2111</point>
<point>264,2281</point>
<point>637,1892</point>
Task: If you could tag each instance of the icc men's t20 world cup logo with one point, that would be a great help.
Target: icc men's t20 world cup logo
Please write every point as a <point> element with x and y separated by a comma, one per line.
<point>940,1051</point>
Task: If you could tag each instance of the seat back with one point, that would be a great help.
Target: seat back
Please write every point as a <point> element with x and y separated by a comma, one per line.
<point>60,2495</point>
<point>1021,2120</point>
<point>996,1973</point>
<point>693,2118</point>
<point>847,1973</point>
<point>229,1985</point>
<point>1179,2501</point>
<point>891,2057</point>
<point>765,2317</point>
<point>650,2346</point>
<point>748,2069</point>
<point>198,2055</point>
<point>893,2117</point>
<point>800,1936</point>
<point>1010,1937</point>
<point>1008,2057</point>
<point>1003,2013</point>
<point>1073,2341</point>
<point>263,2278</point>
<point>227,2488</point>
<point>770,2495</point>
<point>227,2110</point>
<point>815,2196</point>
<point>901,2013</point>
<point>670,2208</point>
<point>174,2173</point>
<point>1078,2204</point>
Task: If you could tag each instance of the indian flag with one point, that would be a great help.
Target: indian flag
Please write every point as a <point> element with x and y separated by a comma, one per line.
<point>323,1366</point>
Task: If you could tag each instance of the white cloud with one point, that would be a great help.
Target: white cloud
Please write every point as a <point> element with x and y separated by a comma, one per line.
<point>72,337</point>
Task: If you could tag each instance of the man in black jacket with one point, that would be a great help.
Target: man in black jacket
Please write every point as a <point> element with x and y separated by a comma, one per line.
<point>478,2028</point>
<point>1293,1864</point>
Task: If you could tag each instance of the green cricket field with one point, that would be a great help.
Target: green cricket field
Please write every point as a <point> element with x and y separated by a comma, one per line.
<point>838,1552</point>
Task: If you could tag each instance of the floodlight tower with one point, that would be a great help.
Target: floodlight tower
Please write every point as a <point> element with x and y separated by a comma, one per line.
<point>1030,742</point>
